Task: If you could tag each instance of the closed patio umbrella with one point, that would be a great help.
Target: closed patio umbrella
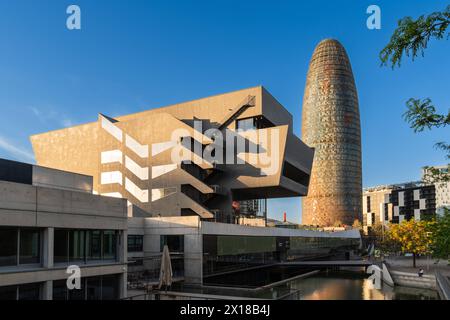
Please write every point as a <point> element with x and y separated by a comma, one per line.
<point>165,274</point>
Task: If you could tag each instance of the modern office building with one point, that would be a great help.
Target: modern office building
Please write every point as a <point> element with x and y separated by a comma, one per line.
<point>331,125</point>
<point>442,187</point>
<point>395,203</point>
<point>50,220</point>
<point>190,159</point>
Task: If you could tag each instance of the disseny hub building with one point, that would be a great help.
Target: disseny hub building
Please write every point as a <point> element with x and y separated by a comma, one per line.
<point>190,159</point>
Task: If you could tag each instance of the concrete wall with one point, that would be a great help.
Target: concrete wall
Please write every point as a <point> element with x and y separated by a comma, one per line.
<point>51,178</point>
<point>26,205</point>
<point>23,205</point>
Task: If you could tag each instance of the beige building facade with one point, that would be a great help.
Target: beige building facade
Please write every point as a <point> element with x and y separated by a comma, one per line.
<point>189,159</point>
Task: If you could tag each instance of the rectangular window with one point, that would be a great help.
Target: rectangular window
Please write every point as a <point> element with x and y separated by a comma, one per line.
<point>175,243</point>
<point>245,124</point>
<point>59,290</point>
<point>30,246</point>
<point>8,293</point>
<point>110,290</point>
<point>8,247</point>
<point>109,245</point>
<point>77,246</point>
<point>253,123</point>
<point>94,288</point>
<point>61,246</point>
<point>94,245</point>
<point>30,291</point>
<point>135,243</point>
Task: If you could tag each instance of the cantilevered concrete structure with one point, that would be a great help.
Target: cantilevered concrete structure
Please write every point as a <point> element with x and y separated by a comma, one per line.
<point>331,125</point>
<point>190,159</point>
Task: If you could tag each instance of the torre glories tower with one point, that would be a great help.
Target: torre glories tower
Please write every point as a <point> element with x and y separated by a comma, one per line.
<point>331,125</point>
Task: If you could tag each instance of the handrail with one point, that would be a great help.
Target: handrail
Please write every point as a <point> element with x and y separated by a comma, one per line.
<point>249,101</point>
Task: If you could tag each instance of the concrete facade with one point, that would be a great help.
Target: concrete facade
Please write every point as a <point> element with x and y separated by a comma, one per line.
<point>331,125</point>
<point>193,229</point>
<point>56,200</point>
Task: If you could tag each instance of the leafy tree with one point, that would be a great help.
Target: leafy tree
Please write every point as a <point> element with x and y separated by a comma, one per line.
<point>379,235</point>
<point>412,236</point>
<point>441,247</point>
<point>411,39</point>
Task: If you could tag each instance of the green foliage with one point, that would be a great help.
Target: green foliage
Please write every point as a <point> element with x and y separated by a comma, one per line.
<point>411,36</point>
<point>436,175</point>
<point>441,247</point>
<point>411,39</point>
<point>444,147</point>
<point>421,115</point>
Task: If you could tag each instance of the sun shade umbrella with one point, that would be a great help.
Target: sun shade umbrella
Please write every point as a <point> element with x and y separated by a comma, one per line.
<point>165,274</point>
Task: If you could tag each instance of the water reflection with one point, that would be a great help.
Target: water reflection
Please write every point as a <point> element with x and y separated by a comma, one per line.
<point>354,286</point>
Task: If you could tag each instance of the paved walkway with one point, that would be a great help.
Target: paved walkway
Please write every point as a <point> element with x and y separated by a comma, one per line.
<point>429,266</point>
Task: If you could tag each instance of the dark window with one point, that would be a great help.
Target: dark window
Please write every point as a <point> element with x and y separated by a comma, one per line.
<point>109,245</point>
<point>61,245</point>
<point>18,172</point>
<point>8,293</point>
<point>110,290</point>
<point>59,290</point>
<point>253,123</point>
<point>135,243</point>
<point>80,246</point>
<point>30,291</point>
<point>77,246</point>
<point>30,245</point>
<point>174,242</point>
<point>78,294</point>
<point>94,245</point>
<point>8,246</point>
<point>94,288</point>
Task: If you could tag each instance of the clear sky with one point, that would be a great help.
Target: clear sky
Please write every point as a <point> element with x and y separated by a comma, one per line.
<point>136,55</point>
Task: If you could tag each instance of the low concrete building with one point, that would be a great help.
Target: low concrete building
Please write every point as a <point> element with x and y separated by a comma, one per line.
<point>50,220</point>
<point>210,248</point>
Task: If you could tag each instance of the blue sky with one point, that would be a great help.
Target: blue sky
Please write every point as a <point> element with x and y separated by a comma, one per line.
<point>137,55</point>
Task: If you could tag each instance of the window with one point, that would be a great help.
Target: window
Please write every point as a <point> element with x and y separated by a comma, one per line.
<point>174,242</point>
<point>110,289</point>
<point>61,248</point>
<point>94,245</point>
<point>80,246</point>
<point>77,245</point>
<point>30,246</point>
<point>30,291</point>
<point>22,292</point>
<point>135,243</point>
<point>259,122</point>
<point>109,245</point>
<point>246,124</point>
<point>8,293</point>
<point>22,243</point>
<point>8,247</point>
<point>92,288</point>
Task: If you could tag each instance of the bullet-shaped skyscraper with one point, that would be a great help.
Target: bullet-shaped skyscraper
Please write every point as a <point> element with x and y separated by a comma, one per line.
<point>331,125</point>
